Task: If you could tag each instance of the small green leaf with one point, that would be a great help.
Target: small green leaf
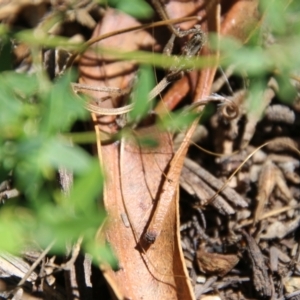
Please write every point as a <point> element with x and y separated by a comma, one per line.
<point>33,38</point>
<point>4,29</point>
<point>254,103</point>
<point>61,107</point>
<point>92,181</point>
<point>63,224</point>
<point>141,91</point>
<point>177,121</point>
<point>59,153</point>
<point>253,60</point>
<point>101,253</point>
<point>286,91</point>
<point>15,226</point>
<point>136,8</point>
<point>273,14</point>
<point>23,85</point>
<point>10,106</point>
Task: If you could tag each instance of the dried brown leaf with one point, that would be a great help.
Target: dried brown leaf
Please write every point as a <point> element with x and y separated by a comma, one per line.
<point>102,71</point>
<point>215,263</point>
<point>134,176</point>
<point>266,184</point>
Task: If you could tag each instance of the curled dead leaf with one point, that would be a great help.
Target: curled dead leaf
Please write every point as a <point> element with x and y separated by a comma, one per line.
<point>215,263</point>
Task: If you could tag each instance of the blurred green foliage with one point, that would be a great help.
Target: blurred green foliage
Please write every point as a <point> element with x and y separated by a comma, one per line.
<point>136,8</point>
<point>35,114</point>
<point>141,90</point>
<point>270,50</point>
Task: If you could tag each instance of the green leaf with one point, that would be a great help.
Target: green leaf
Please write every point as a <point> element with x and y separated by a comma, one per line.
<point>43,39</point>
<point>91,183</point>
<point>253,60</point>
<point>254,103</point>
<point>101,253</point>
<point>22,84</point>
<point>65,225</point>
<point>59,153</point>
<point>177,121</point>
<point>142,88</point>
<point>15,227</point>
<point>286,91</point>
<point>4,29</point>
<point>61,107</point>
<point>136,8</point>
<point>10,106</point>
<point>273,14</point>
